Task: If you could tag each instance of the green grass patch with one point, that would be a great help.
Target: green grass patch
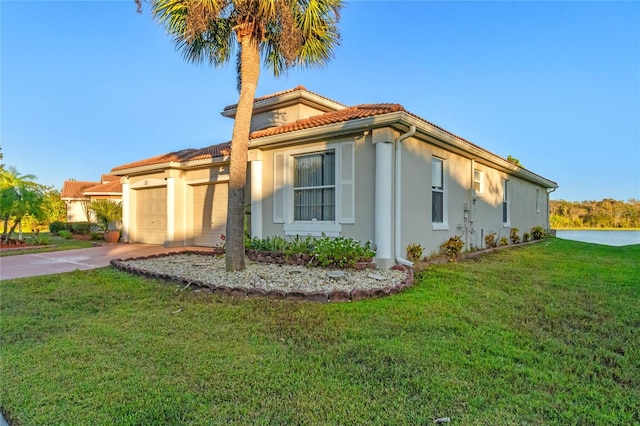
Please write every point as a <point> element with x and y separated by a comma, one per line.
<point>55,243</point>
<point>546,333</point>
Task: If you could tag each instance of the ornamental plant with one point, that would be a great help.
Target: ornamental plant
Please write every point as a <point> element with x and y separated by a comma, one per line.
<point>340,252</point>
<point>414,252</point>
<point>452,247</point>
<point>538,232</point>
<point>513,236</point>
<point>490,240</point>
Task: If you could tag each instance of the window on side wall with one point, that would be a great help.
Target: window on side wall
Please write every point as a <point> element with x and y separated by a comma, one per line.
<point>477,181</point>
<point>537,201</point>
<point>438,199</point>
<point>505,202</point>
<point>314,191</point>
<point>314,187</point>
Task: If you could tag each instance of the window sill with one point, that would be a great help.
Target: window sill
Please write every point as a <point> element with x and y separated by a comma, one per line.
<point>313,229</point>
<point>506,225</point>
<point>440,226</point>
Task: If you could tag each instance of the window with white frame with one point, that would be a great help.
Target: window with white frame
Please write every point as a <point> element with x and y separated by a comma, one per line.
<point>437,191</point>
<point>313,192</point>
<point>505,202</point>
<point>314,187</point>
<point>477,181</point>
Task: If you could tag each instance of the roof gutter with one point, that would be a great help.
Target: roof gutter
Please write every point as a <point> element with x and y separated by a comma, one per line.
<point>398,203</point>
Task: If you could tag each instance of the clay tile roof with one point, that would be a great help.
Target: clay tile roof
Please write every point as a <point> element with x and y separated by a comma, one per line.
<point>109,178</point>
<point>114,187</point>
<point>274,95</point>
<point>75,189</point>
<point>346,114</point>
<point>181,156</point>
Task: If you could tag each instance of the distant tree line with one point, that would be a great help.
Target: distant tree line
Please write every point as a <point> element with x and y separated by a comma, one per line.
<point>607,213</point>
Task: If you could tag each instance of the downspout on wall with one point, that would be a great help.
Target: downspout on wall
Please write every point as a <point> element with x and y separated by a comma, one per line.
<point>549,191</point>
<point>398,203</point>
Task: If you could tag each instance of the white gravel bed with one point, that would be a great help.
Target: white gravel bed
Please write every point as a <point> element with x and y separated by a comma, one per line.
<point>287,278</point>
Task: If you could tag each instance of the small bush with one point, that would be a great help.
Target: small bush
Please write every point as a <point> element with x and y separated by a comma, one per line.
<point>526,237</point>
<point>57,226</point>
<point>514,237</point>
<point>65,234</point>
<point>503,241</point>
<point>96,236</point>
<point>414,252</point>
<point>538,232</point>
<point>490,240</point>
<point>340,252</point>
<point>81,228</point>
<point>452,247</point>
<point>40,240</point>
<point>300,246</point>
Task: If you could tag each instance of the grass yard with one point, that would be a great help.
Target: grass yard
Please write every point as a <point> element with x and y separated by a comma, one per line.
<point>55,243</point>
<point>543,334</point>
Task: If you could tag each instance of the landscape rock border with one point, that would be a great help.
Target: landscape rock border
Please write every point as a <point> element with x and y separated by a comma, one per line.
<point>335,296</point>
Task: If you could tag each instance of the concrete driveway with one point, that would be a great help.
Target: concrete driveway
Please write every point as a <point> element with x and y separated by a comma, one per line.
<point>55,262</point>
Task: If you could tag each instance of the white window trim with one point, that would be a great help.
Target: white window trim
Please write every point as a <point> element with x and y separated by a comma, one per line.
<point>444,225</point>
<point>480,181</point>
<point>311,228</point>
<point>505,184</point>
<point>538,200</point>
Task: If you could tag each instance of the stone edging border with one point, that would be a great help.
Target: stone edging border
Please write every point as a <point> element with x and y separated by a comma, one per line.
<point>244,292</point>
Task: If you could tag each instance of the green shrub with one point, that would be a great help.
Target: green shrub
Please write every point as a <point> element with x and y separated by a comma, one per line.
<point>526,237</point>
<point>57,226</point>
<point>300,246</point>
<point>452,247</point>
<point>65,234</point>
<point>80,228</point>
<point>514,237</point>
<point>340,252</point>
<point>414,252</point>
<point>96,236</point>
<point>490,240</point>
<point>40,240</point>
<point>503,241</point>
<point>538,232</point>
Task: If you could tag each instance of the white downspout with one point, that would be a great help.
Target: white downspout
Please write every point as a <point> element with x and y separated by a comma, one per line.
<point>398,207</point>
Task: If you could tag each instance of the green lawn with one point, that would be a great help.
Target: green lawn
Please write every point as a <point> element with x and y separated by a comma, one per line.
<point>542,334</point>
<point>55,243</point>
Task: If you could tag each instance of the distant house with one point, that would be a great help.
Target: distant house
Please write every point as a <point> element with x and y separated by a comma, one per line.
<point>374,172</point>
<point>78,195</point>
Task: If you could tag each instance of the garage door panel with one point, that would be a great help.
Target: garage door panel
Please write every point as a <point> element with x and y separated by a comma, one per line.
<point>209,214</point>
<point>151,218</point>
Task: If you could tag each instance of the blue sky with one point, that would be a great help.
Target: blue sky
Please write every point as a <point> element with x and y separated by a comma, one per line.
<point>90,85</point>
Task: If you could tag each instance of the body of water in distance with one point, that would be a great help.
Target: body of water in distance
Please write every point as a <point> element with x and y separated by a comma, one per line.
<point>609,238</point>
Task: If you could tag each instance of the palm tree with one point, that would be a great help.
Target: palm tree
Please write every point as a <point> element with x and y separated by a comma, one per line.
<point>19,195</point>
<point>284,33</point>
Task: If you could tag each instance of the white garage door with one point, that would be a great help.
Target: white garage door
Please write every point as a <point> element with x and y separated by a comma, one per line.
<point>151,217</point>
<point>209,214</point>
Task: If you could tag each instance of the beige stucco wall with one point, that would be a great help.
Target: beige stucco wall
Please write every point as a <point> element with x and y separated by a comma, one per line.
<point>364,174</point>
<point>75,211</point>
<point>416,225</point>
<point>484,214</point>
<point>281,116</point>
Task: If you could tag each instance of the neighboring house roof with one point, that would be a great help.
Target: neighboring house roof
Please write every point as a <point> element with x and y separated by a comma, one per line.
<point>365,116</point>
<point>182,156</point>
<point>107,188</point>
<point>109,178</point>
<point>75,189</point>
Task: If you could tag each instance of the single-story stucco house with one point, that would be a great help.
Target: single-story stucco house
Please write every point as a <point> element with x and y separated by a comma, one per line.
<point>77,195</point>
<point>373,172</point>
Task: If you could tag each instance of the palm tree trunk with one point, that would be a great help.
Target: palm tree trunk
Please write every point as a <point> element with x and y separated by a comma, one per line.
<point>249,73</point>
